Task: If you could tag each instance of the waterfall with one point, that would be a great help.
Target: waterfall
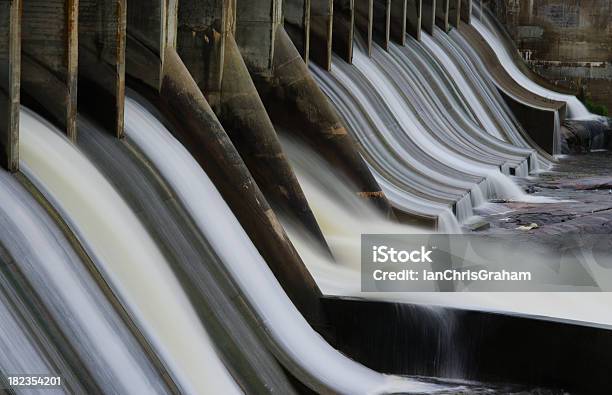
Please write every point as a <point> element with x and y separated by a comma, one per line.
<point>46,260</point>
<point>125,255</point>
<point>576,110</point>
<point>299,345</point>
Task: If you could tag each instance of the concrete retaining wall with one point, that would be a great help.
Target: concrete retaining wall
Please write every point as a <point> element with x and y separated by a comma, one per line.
<point>10,58</point>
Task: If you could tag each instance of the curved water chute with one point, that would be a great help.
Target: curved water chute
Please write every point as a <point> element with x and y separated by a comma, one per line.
<point>125,255</point>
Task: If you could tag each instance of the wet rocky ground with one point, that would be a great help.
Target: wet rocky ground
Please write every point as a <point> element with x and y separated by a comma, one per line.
<point>582,186</point>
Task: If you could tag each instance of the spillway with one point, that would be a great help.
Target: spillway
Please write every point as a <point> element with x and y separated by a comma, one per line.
<point>420,154</point>
<point>47,262</point>
<point>200,271</point>
<point>125,255</point>
<point>486,27</point>
<point>295,343</point>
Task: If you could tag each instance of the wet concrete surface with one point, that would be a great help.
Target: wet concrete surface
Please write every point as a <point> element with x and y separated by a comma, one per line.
<point>582,186</point>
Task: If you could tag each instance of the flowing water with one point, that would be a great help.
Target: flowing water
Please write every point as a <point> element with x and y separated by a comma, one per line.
<point>576,110</point>
<point>125,255</point>
<point>296,343</point>
<point>47,262</point>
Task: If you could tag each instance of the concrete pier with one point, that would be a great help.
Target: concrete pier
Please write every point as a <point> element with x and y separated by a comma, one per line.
<point>202,39</point>
<point>196,126</point>
<point>381,22</point>
<point>10,59</point>
<point>321,22</point>
<point>297,24</point>
<point>454,12</point>
<point>102,29</point>
<point>442,14</point>
<point>414,17</point>
<point>49,62</point>
<point>151,27</point>
<point>466,11</point>
<point>344,29</point>
<point>428,19</point>
<point>364,18</point>
<point>398,21</point>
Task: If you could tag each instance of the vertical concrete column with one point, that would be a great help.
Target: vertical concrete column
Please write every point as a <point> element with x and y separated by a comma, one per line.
<point>297,24</point>
<point>10,59</point>
<point>364,17</point>
<point>428,19</point>
<point>442,14</point>
<point>50,59</point>
<point>466,11</point>
<point>151,27</point>
<point>415,17</point>
<point>256,24</point>
<point>321,22</point>
<point>102,29</point>
<point>399,21</point>
<point>454,12</point>
<point>208,49</point>
<point>381,22</point>
<point>344,27</point>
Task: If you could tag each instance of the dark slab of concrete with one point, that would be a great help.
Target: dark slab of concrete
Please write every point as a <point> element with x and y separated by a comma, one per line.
<point>344,29</point>
<point>406,339</point>
<point>321,22</point>
<point>297,24</point>
<point>443,14</point>
<point>414,17</point>
<point>428,20</point>
<point>49,50</point>
<point>364,17</point>
<point>399,21</point>
<point>381,22</point>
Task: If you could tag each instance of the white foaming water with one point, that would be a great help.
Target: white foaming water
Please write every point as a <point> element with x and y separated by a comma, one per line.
<point>576,110</point>
<point>81,310</point>
<point>300,345</point>
<point>125,255</point>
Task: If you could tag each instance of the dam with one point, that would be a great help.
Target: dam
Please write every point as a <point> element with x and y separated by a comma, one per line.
<point>187,189</point>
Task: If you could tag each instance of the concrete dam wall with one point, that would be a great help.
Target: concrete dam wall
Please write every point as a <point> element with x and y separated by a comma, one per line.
<point>567,42</point>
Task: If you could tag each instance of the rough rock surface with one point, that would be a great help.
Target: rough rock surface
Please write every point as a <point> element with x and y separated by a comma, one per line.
<point>582,185</point>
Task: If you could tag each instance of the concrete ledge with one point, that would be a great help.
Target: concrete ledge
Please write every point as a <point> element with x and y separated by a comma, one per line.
<point>344,28</point>
<point>10,68</point>
<point>407,339</point>
<point>428,20</point>
<point>321,36</point>
<point>466,11</point>
<point>364,17</point>
<point>454,12</point>
<point>442,14</point>
<point>102,30</point>
<point>381,22</point>
<point>49,34</point>
<point>297,24</point>
<point>414,15</point>
<point>399,21</point>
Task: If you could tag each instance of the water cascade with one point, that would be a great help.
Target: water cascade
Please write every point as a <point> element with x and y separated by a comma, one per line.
<point>576,110</point>
<point>48,263</point>
<point>125,255</point>
<point>294,340</point>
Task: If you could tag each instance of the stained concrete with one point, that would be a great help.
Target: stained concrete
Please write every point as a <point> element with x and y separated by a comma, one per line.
<point>428,19</point>
<point>102,30</point>
<point>399,21</point>
<point>10,58</point>
<point>49,35</point>
<point>297,24</point>
<point>568,42</point>
<point>381,22</point>
<point>321,22</point>
<point>414,17</point>
<point>344,29</point>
